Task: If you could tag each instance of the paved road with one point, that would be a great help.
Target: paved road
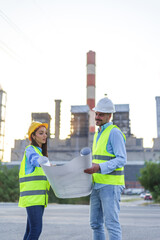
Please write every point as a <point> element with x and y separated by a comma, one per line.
<point>71,222</point>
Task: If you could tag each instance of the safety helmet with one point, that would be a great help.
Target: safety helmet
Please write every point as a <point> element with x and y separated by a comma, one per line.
<point>34,126</point>
<point>104,105</point>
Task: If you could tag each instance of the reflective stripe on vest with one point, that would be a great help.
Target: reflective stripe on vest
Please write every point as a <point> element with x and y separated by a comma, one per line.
<point>36,192</point>
<point>34,187</point>
<point>101,155</point>
<point>32,178</point>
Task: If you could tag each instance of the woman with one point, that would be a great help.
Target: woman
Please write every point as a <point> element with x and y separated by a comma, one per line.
<point>34,186</point>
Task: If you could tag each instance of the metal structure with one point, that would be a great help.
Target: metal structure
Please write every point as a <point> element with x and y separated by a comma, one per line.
<point>158,115</point>
<point>79,121</point>
<point>57,118</point>
<point>91,79</point>
<point>121,118</point>
<point>3,100</point>
<point>44,118</point>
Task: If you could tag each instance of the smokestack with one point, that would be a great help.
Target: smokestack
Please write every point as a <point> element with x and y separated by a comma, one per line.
<point>57,118</point>
<point>91,88</point>
<point>158,115</point>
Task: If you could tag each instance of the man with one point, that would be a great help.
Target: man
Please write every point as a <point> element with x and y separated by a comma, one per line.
<point>109,158</point>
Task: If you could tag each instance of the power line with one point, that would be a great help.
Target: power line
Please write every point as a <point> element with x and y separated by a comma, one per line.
<point>18,30</point>
<point>9,51</point>
<point>10,22</point>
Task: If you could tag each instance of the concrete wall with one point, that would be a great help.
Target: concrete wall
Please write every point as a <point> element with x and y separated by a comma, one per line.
<point>59,150</point>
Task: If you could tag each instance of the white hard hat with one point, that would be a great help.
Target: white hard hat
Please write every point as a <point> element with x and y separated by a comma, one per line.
<point>104,105</point>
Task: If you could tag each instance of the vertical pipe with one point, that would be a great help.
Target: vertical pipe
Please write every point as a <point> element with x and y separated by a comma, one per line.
<point>91,88</point>
<point>158,115</point>
<point>3,99</point>
<point>57,118</point>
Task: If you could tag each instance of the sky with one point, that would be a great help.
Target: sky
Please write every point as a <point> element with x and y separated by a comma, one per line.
<point>43,47</point>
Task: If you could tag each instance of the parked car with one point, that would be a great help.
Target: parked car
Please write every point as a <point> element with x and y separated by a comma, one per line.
<point>148,196</point>
<point>133,191</point>
<point>142,195</point>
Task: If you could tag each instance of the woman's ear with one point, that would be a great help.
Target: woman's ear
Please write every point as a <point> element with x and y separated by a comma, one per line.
<point>33,136</point>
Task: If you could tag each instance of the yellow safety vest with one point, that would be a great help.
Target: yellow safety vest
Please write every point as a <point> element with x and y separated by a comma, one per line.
<point>34,187</point>
<point>100,155</point>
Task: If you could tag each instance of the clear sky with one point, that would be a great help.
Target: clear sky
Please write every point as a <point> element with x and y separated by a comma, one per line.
<point>43,46</point>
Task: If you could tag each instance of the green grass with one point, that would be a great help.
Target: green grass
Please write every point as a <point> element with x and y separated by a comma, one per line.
<point>131,200</point>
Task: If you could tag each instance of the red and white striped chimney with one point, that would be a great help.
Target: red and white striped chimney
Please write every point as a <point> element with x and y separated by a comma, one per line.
<point>91,88</point>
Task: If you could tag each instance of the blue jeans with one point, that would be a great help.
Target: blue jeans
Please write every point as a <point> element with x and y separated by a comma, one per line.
<point>34,222</point>
<point>104,209</point>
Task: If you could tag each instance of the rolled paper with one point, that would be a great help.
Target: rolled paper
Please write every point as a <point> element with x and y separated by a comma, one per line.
<point>68,180</point>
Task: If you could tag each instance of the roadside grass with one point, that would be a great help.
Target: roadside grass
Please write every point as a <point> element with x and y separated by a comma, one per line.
<point>143,203</point>
<point>131,199</point>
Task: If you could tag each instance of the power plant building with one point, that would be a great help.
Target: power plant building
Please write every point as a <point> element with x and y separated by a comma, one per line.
<point>82,128</point>
<point>80,121</point>
<point>42,117</point>
<point>121,118</point>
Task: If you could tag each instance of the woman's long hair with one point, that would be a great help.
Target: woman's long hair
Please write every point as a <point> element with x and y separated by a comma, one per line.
<point>44,146</point>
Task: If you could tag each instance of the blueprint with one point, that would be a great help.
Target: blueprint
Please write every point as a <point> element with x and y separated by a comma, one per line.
<point>68,180</point>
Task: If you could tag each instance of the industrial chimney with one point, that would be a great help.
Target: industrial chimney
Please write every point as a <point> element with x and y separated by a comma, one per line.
<point>91,88</point>
<point>158,115</point>
<point>57,118</point>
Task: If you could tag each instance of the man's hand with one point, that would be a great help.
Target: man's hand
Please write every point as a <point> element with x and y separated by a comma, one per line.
<point>95,168</point>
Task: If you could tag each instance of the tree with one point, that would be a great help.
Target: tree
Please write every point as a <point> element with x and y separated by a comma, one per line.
<point>9,188</point>
<point>54,199</point>
<point>150,179</point>
<point>9,184</point>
